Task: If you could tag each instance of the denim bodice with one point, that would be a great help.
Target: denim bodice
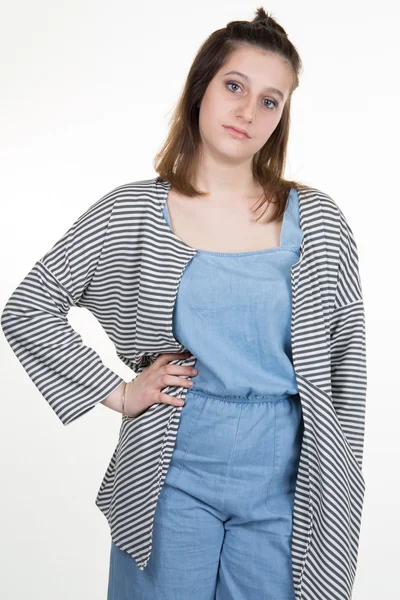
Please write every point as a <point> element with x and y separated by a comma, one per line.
<point>233,312</point>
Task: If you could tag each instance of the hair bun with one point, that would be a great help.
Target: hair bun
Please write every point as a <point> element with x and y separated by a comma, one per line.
<point>266,20</point>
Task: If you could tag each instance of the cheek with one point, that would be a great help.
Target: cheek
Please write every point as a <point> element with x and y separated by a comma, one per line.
<point>264,132</point>
<point>271,122</point>
<point>212,110</point>
<point>211,117</point>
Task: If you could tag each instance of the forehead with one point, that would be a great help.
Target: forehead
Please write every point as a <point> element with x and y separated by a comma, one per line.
<point>258,68</point>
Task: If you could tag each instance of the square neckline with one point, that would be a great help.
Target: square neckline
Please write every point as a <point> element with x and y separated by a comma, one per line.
<point>166,186</point>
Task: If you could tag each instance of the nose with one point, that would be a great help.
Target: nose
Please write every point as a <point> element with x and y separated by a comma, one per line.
<point>247,110</point>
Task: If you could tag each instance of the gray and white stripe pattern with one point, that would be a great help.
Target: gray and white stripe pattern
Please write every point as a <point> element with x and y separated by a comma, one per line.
<point>121,261</point>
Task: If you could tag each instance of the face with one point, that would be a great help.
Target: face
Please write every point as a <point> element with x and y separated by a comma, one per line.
<point>246,101</point>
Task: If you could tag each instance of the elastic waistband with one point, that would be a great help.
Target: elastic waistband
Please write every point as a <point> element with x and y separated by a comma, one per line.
<point>251,398</point>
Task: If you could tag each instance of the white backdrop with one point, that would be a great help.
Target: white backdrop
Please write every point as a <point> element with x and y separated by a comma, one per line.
<point>87,88</point>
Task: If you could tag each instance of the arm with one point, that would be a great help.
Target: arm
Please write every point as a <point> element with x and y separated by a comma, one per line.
<point>348,344</point>
<point>71,376</point>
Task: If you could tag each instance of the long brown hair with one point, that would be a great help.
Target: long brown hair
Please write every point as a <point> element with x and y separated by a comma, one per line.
<point>176,161</point>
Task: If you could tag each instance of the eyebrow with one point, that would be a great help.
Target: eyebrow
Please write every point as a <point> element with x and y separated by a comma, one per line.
<point>270,89</point>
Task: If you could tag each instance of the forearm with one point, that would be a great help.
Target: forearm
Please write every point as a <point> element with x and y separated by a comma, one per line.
<point>114,400</point>
<point>349,372</point>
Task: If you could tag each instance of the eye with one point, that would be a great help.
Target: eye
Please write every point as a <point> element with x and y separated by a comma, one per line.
<point>267,99</point>
<point>232,83</point>
<point>273,101</point>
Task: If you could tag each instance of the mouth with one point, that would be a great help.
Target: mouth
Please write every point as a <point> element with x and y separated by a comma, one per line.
<point>237,133</point>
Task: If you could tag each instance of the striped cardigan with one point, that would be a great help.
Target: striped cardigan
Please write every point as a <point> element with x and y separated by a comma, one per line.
<point>121,261</point>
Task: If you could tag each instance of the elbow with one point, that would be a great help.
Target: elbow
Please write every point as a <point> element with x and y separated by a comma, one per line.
<point>4,317</point>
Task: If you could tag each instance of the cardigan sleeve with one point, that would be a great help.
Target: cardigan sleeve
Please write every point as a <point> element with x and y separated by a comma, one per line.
<point>348,344</point>
<point>70,375</point>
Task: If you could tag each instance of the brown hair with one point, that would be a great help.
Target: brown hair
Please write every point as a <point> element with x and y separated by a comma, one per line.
<point>176,161</point>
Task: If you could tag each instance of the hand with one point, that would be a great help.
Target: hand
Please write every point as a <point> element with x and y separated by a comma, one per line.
<point>144,390</point>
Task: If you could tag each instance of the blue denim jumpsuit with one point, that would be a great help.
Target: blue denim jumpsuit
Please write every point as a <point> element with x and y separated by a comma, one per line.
<point>223,523</point>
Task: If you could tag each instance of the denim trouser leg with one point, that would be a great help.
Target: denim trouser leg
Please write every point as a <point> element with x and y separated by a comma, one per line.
<point>223,523</point>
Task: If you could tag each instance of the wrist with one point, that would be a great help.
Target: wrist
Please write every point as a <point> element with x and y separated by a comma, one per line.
<point>113,400</point>
<point>124,394</point>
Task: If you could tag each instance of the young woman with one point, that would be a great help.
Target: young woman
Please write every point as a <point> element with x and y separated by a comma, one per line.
<point>241,479</point>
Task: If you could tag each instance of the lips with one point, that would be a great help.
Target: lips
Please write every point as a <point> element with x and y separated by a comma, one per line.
<point>237,130</point>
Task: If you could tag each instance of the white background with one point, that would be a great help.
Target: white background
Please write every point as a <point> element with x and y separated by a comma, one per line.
<point>87,88</point>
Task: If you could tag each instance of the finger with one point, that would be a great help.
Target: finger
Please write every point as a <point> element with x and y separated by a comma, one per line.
<point>179,370</point>
<point>166,380</point>
<point>166,357</point>
<point>166,399</point>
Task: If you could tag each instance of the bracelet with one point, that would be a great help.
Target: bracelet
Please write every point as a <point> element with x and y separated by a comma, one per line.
<point>123,398</point>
